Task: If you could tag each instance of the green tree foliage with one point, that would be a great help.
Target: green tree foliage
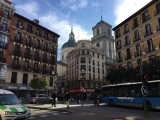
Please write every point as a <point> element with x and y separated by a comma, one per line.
<point>39,83</point>
<point>150,71</point>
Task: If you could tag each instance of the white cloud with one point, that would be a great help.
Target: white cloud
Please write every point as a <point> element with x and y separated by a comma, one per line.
<point>30,8</point>
<point>74,4</point>
<point>125,8</point>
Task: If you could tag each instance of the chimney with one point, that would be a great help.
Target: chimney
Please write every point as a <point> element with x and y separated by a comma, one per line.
<point>36,21</point>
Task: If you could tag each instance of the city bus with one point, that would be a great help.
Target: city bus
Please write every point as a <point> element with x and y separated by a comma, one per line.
<point>129,94</point>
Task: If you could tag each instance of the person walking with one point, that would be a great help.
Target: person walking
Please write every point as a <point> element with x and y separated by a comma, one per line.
<point>67,98</point>
<point>54,96</point>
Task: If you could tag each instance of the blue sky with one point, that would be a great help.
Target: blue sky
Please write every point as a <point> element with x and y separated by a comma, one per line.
<point>60,15</point>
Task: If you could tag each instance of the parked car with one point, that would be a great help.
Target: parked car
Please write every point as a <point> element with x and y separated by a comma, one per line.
<point>11,108</point>
<point>40,98</point>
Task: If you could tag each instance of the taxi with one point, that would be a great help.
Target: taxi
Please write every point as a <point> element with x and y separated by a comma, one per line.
<point>11,108</point>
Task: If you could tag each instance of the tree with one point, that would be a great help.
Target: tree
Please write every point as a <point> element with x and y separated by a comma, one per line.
<point>38,83</point>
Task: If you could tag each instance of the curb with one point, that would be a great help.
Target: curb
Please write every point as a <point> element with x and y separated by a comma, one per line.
<point>138,118</point>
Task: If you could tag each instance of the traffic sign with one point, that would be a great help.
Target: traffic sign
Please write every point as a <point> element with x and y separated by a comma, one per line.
<point>144,90</point>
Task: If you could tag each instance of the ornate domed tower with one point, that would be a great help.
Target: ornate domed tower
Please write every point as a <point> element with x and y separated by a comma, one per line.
<point>68,46</point>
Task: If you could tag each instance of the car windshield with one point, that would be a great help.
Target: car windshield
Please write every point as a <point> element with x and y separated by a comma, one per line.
<point>8,99</point>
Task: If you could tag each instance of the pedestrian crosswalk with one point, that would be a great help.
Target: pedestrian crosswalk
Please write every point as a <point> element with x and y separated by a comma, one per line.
<point>36,113</point>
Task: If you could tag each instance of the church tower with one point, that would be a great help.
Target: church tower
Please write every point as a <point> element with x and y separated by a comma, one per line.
<point>68,46</point>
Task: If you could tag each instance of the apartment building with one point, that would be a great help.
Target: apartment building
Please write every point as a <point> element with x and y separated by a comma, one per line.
<point>138,37</point>
<point>7,9</point>
<point>85,69</point>
<point>31,51</point>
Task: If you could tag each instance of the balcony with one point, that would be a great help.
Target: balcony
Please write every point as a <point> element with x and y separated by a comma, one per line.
<point>38,34</point>
<point>29,30</point>
<point>38,47</point>
<point>3,45</point>
<point>18,40</point>
<point>36,70</point>
<point>27,68</point>
<point>27,55</point>
<point>16,66</point>
<point>148,33</point>
<point>37,58</point>
<point>17,53</point>
<point>29,43</point>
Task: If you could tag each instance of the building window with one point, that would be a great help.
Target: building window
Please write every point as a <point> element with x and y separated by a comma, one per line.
<point>4,27</point>
<point>150,45</point>
<point>37,44</point>
<point>97,32</point>
<point>126,28</point>
<point>97,44</point>
<point>135,23</point>
<point>128,54</point>
<point>3,40</point>
<point>93,69</point>
<point>83,44</point>
<point>14,77</point>
<point>136,35</point>
<point>138,50</point>
<point>20,24</point>
<point>83,52</point>
<point>83,75</point>
<point>139,62</point>
<point>29,29</point>
<point>83,68</point>
<point>83,60</point>
<point>93,62</point>
<point>117,33</point>
<point>97,63</point>
<point>6,14</point>
<point>93,54</point>
<point>148,30</point>
<point>119,56</point>
<point>51,81</point>
<point>38,32</point>
<point>145,16</point>
<point>158,8</point>
<point>25,79</point>
<point>18,36</point>
<point>127,41</point>
<point>35,66</point>
<point>97,55</point>
<point>158,27</point>
<point>89,68</point>
<point>118,44</point>
<point>46,36</point>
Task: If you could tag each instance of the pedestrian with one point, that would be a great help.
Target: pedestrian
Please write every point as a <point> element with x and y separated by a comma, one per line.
<point>67,98</point>
<point>54,96</point>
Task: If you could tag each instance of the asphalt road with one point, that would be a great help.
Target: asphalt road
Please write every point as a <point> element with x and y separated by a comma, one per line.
<point>89,113</point>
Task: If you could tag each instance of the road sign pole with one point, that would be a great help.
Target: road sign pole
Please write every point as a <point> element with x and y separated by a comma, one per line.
<point>145,108</point>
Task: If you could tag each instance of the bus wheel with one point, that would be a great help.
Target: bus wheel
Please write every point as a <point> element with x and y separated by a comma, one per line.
<point>110,103</point>
<point>148,105</point>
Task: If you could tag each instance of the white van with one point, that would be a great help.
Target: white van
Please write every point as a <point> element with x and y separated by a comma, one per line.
<point>10,107</point>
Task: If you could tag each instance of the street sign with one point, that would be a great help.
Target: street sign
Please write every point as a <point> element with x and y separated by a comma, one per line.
<point>144,90</point>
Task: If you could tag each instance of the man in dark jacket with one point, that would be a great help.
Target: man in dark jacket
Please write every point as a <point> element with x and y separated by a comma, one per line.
<point>54,96</point>
<point>67,97</point>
